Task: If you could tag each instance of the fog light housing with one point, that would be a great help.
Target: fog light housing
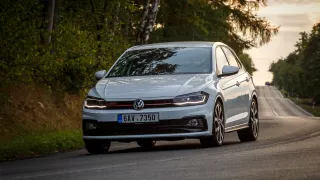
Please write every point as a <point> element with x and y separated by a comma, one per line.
<point>194,122</point>
<point>91,126</point>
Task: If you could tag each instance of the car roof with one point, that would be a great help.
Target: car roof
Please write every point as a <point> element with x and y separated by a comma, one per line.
<point>175,44</point>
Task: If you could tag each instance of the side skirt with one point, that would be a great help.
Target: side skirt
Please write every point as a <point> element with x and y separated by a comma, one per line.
<point>237,127</point>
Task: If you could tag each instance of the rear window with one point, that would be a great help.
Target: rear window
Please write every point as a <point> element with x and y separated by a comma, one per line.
<point>161,61</point>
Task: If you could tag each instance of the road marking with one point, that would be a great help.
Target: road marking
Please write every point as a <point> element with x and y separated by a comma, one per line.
<point>300,108</point>
<point>270,98</point>
<point>315,134</point>
<point>270,103</point>
<point>279,93</point>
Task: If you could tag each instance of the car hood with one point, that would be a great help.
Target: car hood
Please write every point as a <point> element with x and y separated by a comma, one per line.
<point>156,86</point>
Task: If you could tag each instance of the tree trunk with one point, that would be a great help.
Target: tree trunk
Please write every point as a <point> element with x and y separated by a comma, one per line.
<point>148,21</point>
<point>127,26</point>
<point>51,7</point>
<point>116,19</point>
<point>55,26</point>
<point>143,22</point>
<point>152,16</point>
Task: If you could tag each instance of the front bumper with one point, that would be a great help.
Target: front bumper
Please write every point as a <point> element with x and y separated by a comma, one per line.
<point>152,136</point>
<point>172,124</point>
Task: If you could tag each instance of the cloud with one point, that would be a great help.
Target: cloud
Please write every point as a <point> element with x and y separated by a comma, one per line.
<point>291,22</point>
<point>293,16</point>
<point>310,9</point>
<point>298,2</point>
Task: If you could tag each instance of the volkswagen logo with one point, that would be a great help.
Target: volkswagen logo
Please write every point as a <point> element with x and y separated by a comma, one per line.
<point>138,104</point>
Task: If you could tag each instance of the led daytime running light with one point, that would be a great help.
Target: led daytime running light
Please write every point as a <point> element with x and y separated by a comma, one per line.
<point>97,103</point>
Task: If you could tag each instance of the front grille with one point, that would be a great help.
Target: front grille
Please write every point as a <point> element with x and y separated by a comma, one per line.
<point>147,104</point>
<point>163,127</point>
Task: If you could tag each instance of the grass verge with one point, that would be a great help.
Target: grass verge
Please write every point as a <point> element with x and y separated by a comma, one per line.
<point>36,144</point>
<point>305,104</point>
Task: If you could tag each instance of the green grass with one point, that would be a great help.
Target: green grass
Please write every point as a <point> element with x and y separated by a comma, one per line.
<point>304,104</point>
<point>36,144</point>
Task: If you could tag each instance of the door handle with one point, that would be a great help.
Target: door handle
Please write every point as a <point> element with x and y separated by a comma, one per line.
<point>238,83</point>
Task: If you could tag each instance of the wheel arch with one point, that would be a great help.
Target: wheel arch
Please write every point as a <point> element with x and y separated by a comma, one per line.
<point>220,98</point>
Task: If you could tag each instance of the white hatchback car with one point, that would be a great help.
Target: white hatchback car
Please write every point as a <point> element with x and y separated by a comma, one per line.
<point>171,91</point>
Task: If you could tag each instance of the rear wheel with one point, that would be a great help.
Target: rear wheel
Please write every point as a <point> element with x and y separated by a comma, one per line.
<point>146,144</point>
<point>251,133</point>
<point>217,137</point>
<point>97,146</point>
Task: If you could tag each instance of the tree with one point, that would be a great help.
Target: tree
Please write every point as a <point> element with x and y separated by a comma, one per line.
<point>247,63</point>
<point>148,21</point>
<point>299,72</point>
<point>219,20</point>
<point>90,35</point>
<point>51,10</point>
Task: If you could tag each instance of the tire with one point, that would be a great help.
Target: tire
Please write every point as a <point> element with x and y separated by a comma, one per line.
<point>251,133</point>
<point>146,144</point>
<point>97,146</point>
<point>217,137</point>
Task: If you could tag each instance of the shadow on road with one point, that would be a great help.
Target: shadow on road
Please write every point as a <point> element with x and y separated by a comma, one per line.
<point>167,147</point>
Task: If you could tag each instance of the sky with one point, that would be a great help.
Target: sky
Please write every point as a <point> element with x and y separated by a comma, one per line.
<point>293,16</point>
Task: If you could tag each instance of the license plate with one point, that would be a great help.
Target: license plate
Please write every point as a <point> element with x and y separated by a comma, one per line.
<point>138,118</point>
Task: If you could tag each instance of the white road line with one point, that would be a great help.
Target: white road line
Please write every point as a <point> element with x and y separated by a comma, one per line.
<point>295,104</point>
<point>273,110</point>
<point>315,134</point>
<point>301,108</point>
<point>270,103</point>
<point>279,92</point>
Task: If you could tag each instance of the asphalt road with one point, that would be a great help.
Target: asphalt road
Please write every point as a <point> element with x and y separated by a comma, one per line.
<point>288,148</point>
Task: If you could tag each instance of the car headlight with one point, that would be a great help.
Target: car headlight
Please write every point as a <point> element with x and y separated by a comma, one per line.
<point>191,99</point>
<point>95,103</point>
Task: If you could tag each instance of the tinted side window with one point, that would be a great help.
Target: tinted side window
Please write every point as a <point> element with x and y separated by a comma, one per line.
<point>232,60</point>
<point>221,60</point>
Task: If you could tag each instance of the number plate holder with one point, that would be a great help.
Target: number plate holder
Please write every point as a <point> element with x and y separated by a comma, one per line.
<point>138,118</point>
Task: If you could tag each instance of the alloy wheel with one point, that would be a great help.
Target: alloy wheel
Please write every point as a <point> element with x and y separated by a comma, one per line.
<point>254,118</point>
<point>219,123</point>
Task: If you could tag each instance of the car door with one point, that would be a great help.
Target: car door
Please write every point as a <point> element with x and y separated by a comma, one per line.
<point>229,88</point>
<point>245,80</point>
<point>242,92</point>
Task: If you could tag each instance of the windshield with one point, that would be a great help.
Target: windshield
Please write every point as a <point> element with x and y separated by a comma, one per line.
<point>158,61</point>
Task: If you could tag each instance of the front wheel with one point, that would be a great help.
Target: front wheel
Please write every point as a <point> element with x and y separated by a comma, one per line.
<point>251,133</point>
<point>97,146</point>
<point>217,137</point>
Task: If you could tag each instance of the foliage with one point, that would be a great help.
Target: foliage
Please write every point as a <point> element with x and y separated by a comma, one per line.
<point>247,62</point>
<point>89,35</point>
<point>36,144</point>
<point>232,22</point>
<point>299,72</point>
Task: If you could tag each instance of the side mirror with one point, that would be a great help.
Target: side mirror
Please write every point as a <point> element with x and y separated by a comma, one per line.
<point>100,74</point>
<point>229,70</point>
